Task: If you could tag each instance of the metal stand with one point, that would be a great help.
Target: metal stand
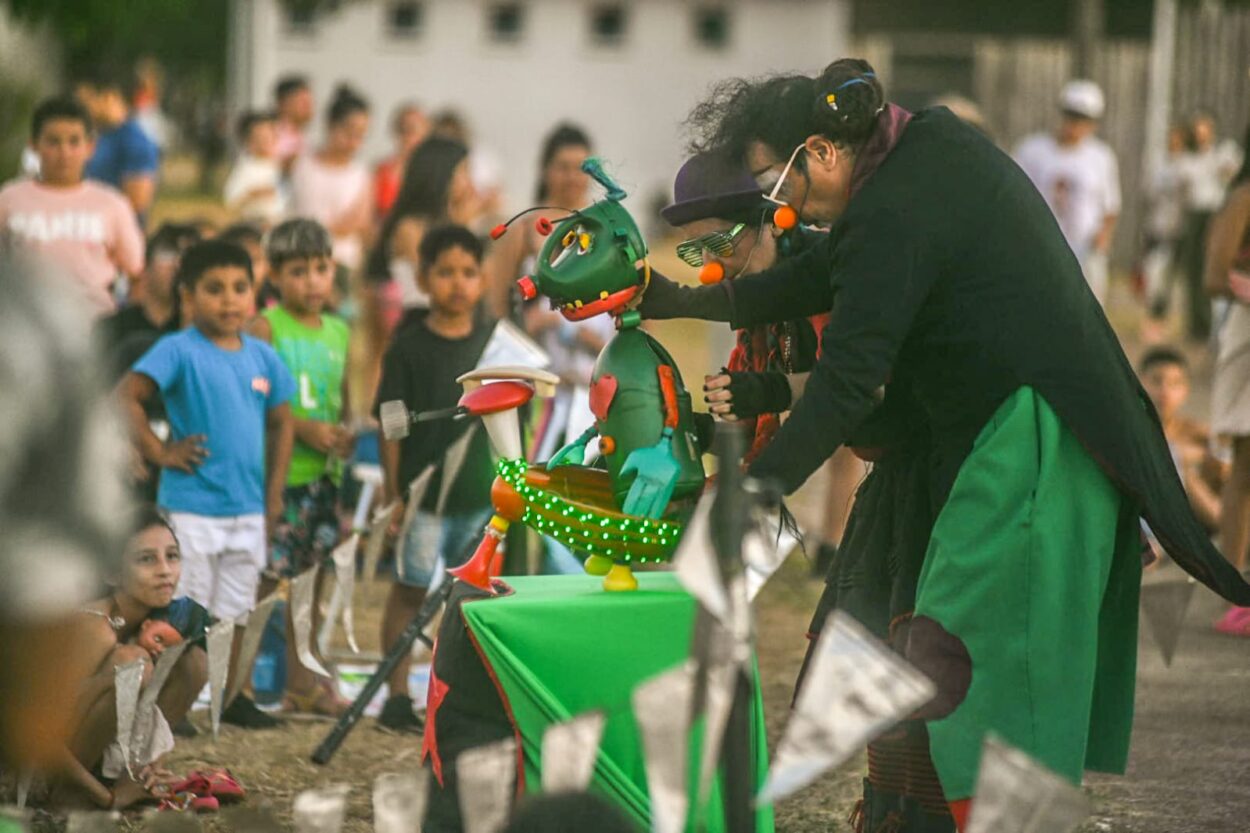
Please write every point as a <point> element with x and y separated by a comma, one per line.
<point>403,645</point>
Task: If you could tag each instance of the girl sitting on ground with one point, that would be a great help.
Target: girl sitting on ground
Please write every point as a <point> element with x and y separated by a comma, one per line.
<point>138,620</point>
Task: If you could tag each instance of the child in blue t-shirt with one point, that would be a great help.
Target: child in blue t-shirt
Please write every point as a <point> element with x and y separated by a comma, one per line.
<point>225,464</point>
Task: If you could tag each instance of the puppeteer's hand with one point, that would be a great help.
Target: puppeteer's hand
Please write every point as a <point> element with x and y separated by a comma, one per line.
<point>746,395</point>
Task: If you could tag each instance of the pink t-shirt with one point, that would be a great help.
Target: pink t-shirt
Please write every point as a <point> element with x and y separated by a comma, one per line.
<point>88,231</point>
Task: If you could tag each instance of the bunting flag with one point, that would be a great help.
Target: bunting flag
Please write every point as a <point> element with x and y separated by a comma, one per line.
<point>127,688</point>
<point>1016,794</point>
<point>486,777</point>
<point>218,640</point>
<point>569,752</point>
<point>320,811</point>
<point>253,625</point>
<point>855,689</point>
<point>303,597</point>
<point>399,801</point>
<point>1164,605</point>
<point>662,707</point>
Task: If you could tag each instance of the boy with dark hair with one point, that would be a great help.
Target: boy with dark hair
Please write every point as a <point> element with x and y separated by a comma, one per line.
<point>253,190</point>
<point>223,468</point>
<point>313,345</point>
<point>421,368</point>
<point>83,229</point>
<point>143,321</point>
<point>1164,373</point>
<point>124,156</point>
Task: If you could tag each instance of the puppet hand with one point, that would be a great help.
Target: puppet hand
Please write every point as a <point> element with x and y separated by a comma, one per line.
<point>746,395</point>
<point>573,454</point>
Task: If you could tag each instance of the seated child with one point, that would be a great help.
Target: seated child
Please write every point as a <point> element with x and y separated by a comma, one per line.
<point>1165,376</point>
<point>224,467</point>
<point>420,368</point>
<point>130,624</point>
<point>312,344</point>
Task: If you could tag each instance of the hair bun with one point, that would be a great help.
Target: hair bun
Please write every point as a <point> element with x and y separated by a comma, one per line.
<point>848,98</point>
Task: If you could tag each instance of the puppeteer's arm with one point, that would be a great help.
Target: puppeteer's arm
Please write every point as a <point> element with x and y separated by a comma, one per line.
<point>795,288</point>
<point>883,278</point>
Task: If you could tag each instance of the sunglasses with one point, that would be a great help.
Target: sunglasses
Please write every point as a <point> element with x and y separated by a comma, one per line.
<point>772,195</point>
<point>719,243</point>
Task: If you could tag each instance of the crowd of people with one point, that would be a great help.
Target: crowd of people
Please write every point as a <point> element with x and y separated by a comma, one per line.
<point>249,360</point>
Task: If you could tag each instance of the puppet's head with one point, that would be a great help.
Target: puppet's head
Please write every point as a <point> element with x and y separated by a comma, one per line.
<point>590,263</point>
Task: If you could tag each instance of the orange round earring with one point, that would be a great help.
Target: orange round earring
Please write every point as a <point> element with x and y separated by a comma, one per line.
<point>712,272</point>
<point>785,218</point>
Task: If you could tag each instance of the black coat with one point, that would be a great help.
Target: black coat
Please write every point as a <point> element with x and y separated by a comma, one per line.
<point>948,274</point>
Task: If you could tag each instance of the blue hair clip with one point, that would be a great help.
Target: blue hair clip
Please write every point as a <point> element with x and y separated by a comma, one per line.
<point>832,99</point>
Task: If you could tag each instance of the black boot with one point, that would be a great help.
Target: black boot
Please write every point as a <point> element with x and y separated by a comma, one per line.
<point>877,812</point>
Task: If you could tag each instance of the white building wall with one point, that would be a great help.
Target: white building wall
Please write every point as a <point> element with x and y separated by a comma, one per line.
<point>631,98</point>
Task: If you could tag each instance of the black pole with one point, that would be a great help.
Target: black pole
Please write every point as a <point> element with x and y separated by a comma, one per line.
<point>403,645</point>
<point>729,517</point>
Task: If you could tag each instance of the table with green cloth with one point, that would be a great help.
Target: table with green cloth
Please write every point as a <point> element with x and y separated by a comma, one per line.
<point>559,645</point>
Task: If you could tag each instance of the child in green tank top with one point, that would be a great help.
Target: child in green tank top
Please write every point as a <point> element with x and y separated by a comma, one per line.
<point>313,345</point>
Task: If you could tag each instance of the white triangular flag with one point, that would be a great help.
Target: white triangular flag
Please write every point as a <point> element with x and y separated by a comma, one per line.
<point>320,811</point>
<point>765,547</point>
<point>1164,605</point>
<point>696,565</point>
<point>344,558</point>
<point>24,781</point>
<point>140,751</point>
<point>218,640</point>
<point>377,539</point>
<point>453,460</point>
<point>253,625</point>
<point>510,346</point>
<point>127,687</point>
<point>1016,794</point>
<point>485,777</point>
<point>92,821</point>
<point>303,597</point>
<point>569,752</point>
<point>662,709</point>
<point>399,801</point>
<point>855,689</point>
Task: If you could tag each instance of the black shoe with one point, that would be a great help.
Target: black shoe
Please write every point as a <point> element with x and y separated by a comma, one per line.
<point>398,715</point>
<point>243,712</point>
<point>185,728</point>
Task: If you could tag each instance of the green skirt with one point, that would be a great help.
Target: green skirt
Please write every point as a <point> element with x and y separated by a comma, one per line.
<point>1034,564</point>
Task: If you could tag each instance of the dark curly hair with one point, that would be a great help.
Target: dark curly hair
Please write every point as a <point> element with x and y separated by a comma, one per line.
<point>781,111</point>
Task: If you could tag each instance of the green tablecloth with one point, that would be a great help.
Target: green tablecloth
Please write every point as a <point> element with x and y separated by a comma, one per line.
<point>560,646</point>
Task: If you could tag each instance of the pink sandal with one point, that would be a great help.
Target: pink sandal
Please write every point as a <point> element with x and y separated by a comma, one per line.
<point>187,801</point>
<point>1236,622</point>
<point>217,784</point>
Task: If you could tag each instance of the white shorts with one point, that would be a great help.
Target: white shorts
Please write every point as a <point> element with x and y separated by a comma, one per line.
<point>222,559</point>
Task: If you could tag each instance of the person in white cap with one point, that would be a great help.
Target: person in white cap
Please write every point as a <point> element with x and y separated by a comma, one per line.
<point>1077,174</point>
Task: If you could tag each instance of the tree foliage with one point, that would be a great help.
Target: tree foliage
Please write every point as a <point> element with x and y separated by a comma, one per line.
<point>188,37</point>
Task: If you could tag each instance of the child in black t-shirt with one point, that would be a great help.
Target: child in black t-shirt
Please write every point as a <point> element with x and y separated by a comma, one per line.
<point>420,368</point>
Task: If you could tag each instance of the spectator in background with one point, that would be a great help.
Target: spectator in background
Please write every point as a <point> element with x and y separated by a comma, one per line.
<point>409,127</point>
<point>225,464</point>
<point>312,344</point>
<point>251,239</point>
<point>293,101</point>
<point>136,327</point>
<point>138,620</point>
<point>420,369</point>
<point>1165,376</point>
<point>1228,276</point>
<point>84,229</point>
<point>332,186</point>
<point>253,189</point>
<point>436,190</point>
<point>484,165</point>
<point>1205,171</point>
<point>1077,174</point>
<point>146,102</point>
<point>561,183</point>
<point>124,156</point>
<point>1165,215</point>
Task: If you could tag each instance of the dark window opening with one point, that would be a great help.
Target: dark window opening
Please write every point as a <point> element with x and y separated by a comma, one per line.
<point>404,19</point>
<point>712,26</point>
<point>608,23</point>
<point>507,21</point>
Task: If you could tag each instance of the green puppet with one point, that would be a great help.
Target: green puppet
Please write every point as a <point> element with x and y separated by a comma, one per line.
<point>594,262</point>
